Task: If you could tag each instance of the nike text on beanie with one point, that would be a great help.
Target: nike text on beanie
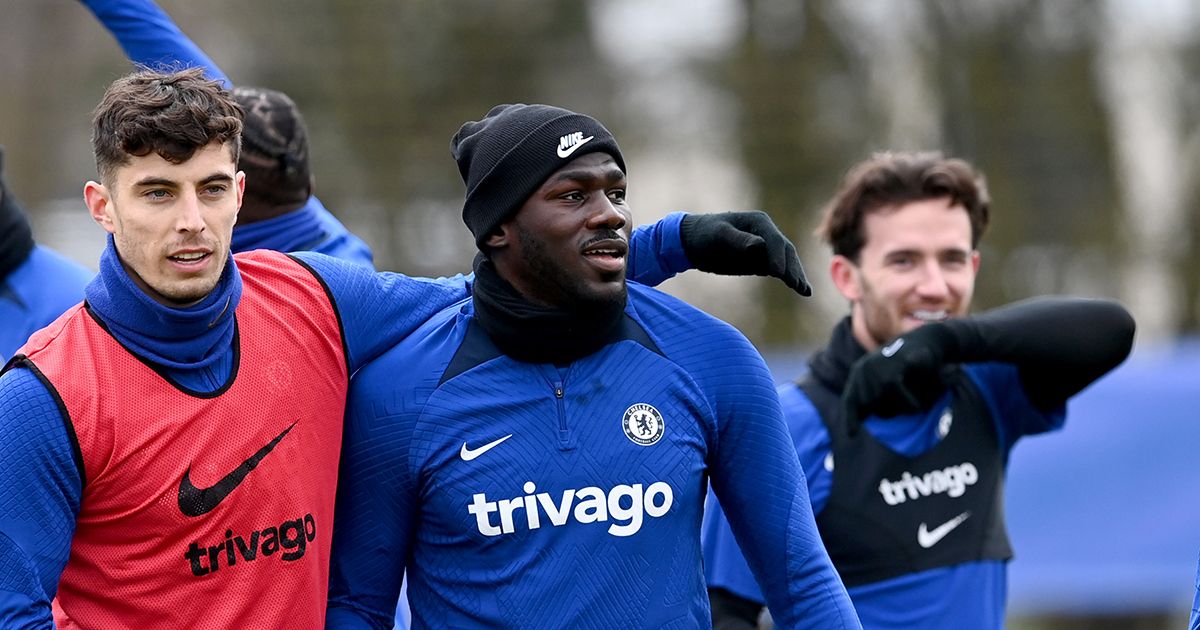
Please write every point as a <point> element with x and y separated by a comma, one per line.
<point>506,157</point>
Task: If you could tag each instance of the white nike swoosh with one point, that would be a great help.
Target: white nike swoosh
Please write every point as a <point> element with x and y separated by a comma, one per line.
<point>468,454</point>
<point>928,539</point>
<point>569,150</point>
<point>892,348</point>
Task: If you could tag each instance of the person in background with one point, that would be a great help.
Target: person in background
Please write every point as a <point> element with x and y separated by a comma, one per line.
<point>37,284</point>
<point>905,420</point>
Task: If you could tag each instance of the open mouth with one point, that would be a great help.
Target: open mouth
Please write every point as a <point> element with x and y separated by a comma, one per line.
<point>608,255</point>
<point>927,316</point>
<point>190,259</point>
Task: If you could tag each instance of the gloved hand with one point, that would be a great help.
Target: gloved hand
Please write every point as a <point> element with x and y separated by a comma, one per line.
<point>902,377</point>
<point>742,244</point>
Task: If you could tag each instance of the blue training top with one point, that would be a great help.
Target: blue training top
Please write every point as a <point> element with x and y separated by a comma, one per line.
<point>35,294</point>
<point>150,38</point>
<point>968,595</point>
<point>521,495</point>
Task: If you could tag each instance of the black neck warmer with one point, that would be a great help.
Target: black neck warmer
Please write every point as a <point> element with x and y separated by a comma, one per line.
<point>540,334</point>
<point>831,365</point>
<point>16,239</point>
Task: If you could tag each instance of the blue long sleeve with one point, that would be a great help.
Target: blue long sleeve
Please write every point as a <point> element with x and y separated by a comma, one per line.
<point>757,478</point>
<point>370,554</point>
<point>149,37</point>
<point>39,500</point>
<point>656,251</point>
<point>35,294</point>
<point>379,309</point>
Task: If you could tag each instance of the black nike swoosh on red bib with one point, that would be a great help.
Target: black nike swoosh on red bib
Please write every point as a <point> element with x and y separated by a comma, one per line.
<point>195,501</point>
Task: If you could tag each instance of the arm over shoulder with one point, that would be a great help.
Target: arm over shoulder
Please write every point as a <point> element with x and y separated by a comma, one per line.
<point>378,309</point>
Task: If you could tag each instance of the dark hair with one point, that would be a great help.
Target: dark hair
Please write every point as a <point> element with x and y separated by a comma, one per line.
<point>169,113</point>
<point>274,153</point>
<point>888,179</point>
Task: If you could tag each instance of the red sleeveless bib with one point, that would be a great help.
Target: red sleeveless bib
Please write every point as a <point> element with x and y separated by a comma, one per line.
<point>211,510</point>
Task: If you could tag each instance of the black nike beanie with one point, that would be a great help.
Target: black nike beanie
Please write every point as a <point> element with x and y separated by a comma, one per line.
<point>506,157</point>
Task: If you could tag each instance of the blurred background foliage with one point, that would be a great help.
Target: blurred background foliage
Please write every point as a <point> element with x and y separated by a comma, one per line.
<point>1078,111</point>
<point>1084,114</point>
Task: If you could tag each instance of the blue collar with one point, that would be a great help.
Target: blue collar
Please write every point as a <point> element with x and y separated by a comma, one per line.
<point>298,230</point>
<point>175,338</point>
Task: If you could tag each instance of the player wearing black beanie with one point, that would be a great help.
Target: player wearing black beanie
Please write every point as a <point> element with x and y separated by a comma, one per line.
<point>507,155</point>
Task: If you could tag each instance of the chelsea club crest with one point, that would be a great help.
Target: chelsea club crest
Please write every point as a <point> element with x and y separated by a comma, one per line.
<point>643,424</point>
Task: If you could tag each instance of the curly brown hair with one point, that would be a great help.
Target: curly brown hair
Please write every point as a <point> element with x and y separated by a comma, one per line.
<point>890,179</point>
<point>169,113</point>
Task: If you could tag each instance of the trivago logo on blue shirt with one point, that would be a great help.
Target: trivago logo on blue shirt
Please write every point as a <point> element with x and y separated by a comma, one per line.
<point>625,505</point>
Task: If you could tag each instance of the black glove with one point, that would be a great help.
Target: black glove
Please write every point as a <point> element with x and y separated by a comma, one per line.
<point>742,244</point>
<point>902,377</point>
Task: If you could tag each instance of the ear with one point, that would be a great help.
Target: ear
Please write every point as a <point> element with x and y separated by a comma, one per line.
<point>846,277</point>
<point>501,237</point>
<point>99,203</point>
<point>975,260</point>
<point>240,181</point>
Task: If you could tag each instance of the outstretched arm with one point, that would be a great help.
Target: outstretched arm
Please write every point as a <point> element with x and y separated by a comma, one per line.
<point>149,36</point>
<point>729,243</point>
<point>1059,346</point>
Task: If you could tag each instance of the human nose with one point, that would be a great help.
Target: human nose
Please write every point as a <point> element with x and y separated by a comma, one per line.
<point>933,284</point>
<point>607,215</point>
<point>190,217</point>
